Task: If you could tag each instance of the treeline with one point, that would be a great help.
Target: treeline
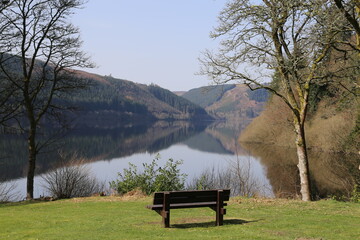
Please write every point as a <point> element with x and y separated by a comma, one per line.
<point>176,102</point>
<point>134,101</point>
<point>259,95</point>
<point>100,96</point>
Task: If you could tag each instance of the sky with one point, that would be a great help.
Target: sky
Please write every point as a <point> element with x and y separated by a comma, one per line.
<point>149,41</point>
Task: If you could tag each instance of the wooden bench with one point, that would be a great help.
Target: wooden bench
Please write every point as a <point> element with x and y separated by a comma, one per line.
<point>214,199</point>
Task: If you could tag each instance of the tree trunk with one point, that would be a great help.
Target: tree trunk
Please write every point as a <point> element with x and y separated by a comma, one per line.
<point>303,165</point>
<point>357,10</point>
<point>31,163</point>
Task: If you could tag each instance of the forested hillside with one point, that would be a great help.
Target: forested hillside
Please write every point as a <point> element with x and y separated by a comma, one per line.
<point>111,101</point>
<point>185,106</point>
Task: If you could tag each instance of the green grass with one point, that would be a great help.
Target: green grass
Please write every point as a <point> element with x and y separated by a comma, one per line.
<point>116,218</point>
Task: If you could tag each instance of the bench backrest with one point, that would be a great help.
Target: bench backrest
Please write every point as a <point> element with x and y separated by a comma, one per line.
<point>191,196</point>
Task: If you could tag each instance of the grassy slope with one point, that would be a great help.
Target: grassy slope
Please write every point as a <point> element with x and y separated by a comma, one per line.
<point>115,218</point>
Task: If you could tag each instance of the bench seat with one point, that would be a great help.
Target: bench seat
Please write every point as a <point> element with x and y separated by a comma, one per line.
<point>214,199</point>
<point>184,205</point>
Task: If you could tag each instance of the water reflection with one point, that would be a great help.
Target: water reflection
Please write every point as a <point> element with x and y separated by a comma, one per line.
<point>94,145</point>
<point>332,174</point>
<point>202,146</point>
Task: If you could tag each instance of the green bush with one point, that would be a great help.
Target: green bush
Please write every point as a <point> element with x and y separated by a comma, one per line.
<point>152,179</point>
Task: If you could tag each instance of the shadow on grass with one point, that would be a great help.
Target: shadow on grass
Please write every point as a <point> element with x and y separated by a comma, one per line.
<point>211,223</point>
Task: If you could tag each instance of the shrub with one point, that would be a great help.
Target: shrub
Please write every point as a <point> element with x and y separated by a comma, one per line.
<point>73,179</point>
<point>237,177</point>
<point>7,192</point>
<point>152,179</point>
<point>211,179</point>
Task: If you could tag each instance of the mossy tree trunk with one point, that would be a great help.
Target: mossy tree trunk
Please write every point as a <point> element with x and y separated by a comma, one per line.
<point>303,162</point>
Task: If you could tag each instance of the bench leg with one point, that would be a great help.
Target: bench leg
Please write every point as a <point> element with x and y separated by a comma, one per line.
<point>166,219</point>
<point>220,217</point>
<point>166,210</point>
<point>220,211</point>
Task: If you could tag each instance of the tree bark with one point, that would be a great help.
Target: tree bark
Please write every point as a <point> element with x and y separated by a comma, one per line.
<point>32,163</point>
<point>303,164</point>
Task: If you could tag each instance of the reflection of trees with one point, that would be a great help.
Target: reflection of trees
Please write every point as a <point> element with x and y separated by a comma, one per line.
<point>95,145</point>
<point>331,173</point>
<point>339,172</point>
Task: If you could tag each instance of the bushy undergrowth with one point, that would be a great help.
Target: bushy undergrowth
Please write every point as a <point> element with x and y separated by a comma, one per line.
<point>355,195</point>
<point>152,179</point>
<point>7,191</point>
<point>73,179</point>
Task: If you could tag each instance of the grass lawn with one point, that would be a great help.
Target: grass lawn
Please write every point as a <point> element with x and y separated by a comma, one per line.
<point>119,218</point>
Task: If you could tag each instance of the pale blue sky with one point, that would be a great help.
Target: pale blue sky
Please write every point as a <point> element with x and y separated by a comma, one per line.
<point>149,41</point>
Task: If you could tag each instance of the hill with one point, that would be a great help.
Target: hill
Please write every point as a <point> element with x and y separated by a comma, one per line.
<point>229,101</point>
<point>206,96</point>
<point>114,102</point>
<point>333,122</point>
<point>109,101</point>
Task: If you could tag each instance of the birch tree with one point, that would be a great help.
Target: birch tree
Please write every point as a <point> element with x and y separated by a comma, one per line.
<point>287,41</point>
<point>38,47</point>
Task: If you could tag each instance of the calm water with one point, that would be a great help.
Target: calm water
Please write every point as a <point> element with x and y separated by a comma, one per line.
<point>106,152</point>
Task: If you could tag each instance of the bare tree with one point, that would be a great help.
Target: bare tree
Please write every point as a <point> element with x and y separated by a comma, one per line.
<point>286,41</point>
<point>3,4</point>
<point>38,46</point>
<point>8,192</point>
<point>6,110</point>
<point>351,11</point>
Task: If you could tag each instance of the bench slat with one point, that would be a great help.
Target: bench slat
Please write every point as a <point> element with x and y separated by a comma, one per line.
<point>184,205</point>
<point>191,196</point>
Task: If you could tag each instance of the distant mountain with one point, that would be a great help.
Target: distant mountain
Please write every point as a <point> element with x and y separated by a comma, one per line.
<point>206,96</point>
<point>179,93</point>
<point>230,101</point>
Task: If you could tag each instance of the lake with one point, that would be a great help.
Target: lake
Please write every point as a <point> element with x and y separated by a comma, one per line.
<point>263,170</point>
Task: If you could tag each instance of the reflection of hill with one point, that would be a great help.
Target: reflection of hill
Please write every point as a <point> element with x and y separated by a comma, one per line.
<point>227,133</point>
<point>94,145</point>
<point>159,136</point>
<point>206,143</point>
<point>331,173</point>
<point>219,137</point>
